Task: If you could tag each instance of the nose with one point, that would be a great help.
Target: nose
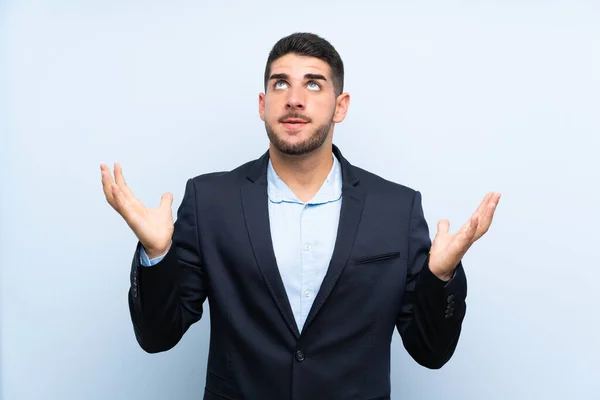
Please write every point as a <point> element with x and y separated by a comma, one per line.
<point>295,100</point>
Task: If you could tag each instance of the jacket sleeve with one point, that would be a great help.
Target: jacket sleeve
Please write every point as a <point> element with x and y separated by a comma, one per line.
<point>166,299</point>
<point>432,310</point>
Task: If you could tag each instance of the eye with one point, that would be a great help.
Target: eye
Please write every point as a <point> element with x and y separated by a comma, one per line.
<point>312,85</point>
<point>280,85</point>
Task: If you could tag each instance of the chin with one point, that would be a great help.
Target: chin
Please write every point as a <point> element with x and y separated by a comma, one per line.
<point>297,141</point>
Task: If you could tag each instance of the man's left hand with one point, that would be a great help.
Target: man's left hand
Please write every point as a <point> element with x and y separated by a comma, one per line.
<point>448,249</point>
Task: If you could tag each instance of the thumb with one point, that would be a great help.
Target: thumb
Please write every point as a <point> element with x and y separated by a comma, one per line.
<point>443,226</point>
<point>166,200</point>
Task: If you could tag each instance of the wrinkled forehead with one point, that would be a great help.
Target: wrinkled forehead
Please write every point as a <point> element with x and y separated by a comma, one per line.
<point>296,66</point>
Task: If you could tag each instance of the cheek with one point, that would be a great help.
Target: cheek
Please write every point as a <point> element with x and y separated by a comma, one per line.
<point>324,109</point>
<point>271,108</point>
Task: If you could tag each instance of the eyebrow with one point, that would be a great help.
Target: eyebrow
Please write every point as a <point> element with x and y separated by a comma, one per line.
<point>306,76</point>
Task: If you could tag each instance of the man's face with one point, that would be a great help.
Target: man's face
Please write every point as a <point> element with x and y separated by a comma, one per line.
<point>300,105</point>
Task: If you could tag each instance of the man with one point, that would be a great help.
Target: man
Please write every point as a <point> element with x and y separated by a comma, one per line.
<point>309,263</point>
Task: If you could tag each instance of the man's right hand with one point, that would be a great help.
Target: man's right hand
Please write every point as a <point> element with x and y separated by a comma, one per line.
<point>152,226</point>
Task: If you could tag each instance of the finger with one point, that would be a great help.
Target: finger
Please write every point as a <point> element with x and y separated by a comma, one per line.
<point>486,219</point>
<point>443,226</point>
<point>497,197</point>
<point>465,237</point>
<point>491,206</point>
<point>493,200</point>
<point>122,206</point>
<point>166,201</point>
<point>120,179</point>
<point>107,181</point>
<point>472,226</point>
<point>482,215</point>
<point>105,172</point>
<point>463,229</point>
<point>482,206</point>
<point>118,197</point>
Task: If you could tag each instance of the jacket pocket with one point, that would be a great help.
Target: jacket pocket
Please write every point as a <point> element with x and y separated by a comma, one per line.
<point>210,395</point>
<point>221,387</point>
<point>379,257</point>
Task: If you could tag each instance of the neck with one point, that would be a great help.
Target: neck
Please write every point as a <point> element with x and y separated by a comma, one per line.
<point>304,174</point>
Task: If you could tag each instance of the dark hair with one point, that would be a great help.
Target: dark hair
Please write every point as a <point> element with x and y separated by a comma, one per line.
<point>310,45</point>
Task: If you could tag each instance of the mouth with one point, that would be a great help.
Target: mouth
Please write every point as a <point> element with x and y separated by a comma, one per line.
<point>294,123</point>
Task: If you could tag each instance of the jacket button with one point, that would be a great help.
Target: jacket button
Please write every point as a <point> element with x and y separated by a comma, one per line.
<point>299,356</point>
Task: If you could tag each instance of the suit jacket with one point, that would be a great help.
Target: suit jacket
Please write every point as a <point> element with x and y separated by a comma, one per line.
<point>378,281</point>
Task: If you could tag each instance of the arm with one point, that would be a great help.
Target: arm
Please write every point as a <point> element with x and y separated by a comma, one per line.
<point>165,300</point>
<point>433,310</point>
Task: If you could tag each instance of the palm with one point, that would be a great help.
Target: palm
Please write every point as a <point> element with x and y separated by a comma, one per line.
<point>448,249</point>
<point>152,226</point>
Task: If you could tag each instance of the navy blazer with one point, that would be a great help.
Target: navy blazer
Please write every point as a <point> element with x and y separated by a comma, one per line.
<point>378,281</point>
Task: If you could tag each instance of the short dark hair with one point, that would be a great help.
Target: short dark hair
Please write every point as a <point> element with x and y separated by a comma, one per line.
<point>310,45</point>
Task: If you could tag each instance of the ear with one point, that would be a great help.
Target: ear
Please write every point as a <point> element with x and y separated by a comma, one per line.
<point>341,107</point>
<point>261,105</point>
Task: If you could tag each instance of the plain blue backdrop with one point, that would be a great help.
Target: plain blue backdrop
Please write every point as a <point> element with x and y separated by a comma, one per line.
<point>451,98</point>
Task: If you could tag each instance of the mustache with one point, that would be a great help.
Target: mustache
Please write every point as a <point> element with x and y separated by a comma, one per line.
<point>295,114</point>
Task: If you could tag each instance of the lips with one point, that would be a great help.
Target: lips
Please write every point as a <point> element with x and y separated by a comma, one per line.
<point>294,124</point>
<point>294,121</point>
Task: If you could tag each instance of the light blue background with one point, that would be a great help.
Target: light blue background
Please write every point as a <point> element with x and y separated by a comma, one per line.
<point>451,98</point>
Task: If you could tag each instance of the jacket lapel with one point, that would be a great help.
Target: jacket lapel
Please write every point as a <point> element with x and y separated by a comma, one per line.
<point>353,198</point>
<point>256,213</point>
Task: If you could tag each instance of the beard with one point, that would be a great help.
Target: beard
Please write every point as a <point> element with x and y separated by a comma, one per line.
<point>313,142</point>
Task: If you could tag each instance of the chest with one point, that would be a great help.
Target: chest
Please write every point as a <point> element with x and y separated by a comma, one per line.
<point>303,234</point>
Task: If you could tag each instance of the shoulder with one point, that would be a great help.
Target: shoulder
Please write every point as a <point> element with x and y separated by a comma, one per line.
<point>224,180</point>
<point>384,197</point>
<point>376,184</point>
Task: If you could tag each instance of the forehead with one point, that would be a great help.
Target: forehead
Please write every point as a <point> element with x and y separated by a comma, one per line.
<point>296,66</point>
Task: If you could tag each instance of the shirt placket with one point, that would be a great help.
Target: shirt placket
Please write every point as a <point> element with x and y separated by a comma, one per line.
<point>307,262</point>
